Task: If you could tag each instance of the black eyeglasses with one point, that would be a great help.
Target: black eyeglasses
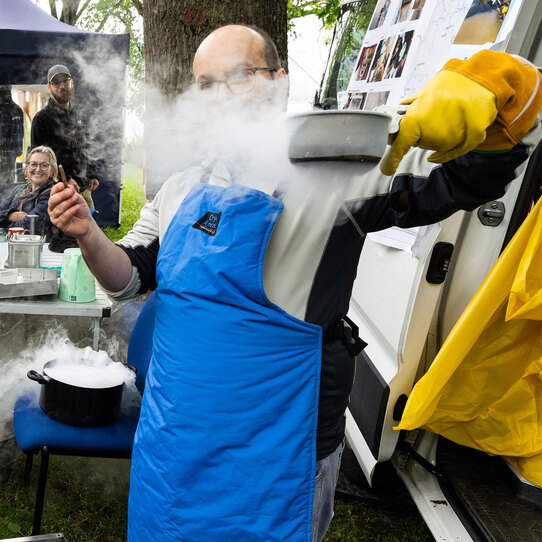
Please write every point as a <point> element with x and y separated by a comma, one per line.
<point>239,82</point>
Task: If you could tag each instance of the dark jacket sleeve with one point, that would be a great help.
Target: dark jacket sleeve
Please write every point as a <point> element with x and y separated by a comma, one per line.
<point>39,209</point>
<point>464,183</point>
<point>144,258</point>
<point>461,184</point>
<point>6,204</point>
<point>39,132</point>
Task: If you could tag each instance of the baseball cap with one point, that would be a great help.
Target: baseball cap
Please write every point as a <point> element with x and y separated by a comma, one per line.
<point>55,70</point>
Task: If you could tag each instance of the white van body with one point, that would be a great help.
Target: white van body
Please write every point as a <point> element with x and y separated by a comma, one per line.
<point>405,319</point>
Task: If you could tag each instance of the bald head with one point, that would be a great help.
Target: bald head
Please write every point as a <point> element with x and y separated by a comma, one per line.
<point>231,49</point>
<point>237,45</point>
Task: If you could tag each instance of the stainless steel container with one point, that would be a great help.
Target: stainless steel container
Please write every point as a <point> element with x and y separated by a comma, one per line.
<point>24,250</point>
<point>338,135</point>
<point>26,282</point>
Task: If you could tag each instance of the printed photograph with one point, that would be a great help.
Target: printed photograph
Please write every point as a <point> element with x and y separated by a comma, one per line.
<point>404,11</point>
<point>383,52</point>
<point>355,101</point>
<point>380,12</point>
<point>399,55</point>
<point>364,63</point>
<point>483,22</point>
<point>374,99</point>
<point>417,8</point>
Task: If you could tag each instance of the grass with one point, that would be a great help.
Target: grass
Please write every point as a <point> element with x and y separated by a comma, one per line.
<point>86,498</point>
<point>133,199</point>
<point>356,520</point>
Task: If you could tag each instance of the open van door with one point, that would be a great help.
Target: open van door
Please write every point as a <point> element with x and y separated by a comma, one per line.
<point>406,300</point>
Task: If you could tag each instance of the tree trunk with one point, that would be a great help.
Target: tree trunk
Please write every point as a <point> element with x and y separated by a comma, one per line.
<point>173,29</point>
<point>69,13</point>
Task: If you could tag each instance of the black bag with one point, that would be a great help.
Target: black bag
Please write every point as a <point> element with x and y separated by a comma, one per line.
<point>60,241</point>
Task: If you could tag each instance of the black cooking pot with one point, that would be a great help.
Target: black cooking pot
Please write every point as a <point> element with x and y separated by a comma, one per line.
<point>75,405</point>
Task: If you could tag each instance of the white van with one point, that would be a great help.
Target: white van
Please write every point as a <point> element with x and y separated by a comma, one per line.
<point>406,306</point>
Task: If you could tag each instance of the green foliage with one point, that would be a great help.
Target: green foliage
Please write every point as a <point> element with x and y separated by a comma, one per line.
<point>354,19</point>
<point>118,17</point>
<point>326,10</point>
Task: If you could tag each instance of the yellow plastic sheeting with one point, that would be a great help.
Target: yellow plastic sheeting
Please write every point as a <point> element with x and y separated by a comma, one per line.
<point>484,388</point>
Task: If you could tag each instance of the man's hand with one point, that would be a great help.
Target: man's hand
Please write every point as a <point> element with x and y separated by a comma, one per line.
<point>68,210</point>
<point>16,216</point>
<point>74,185</point>
<point>93,184</point>
<point>107,261</point>
<point>450,115</point>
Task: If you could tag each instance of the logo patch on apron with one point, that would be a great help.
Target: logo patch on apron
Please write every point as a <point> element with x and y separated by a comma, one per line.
<point>208,223</point>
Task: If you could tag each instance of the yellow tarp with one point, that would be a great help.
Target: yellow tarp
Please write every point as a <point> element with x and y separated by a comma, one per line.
<point>484,388</point>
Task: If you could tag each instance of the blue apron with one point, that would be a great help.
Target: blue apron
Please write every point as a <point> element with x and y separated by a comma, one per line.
<point>225,448</point>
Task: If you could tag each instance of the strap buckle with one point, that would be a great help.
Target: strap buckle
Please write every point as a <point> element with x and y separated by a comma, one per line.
<point>346,331</point>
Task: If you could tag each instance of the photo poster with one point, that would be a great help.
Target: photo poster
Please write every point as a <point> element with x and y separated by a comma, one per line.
<point>408,41</point>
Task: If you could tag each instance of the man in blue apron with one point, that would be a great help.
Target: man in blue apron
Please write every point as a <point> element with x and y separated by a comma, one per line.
<point>242,420</point>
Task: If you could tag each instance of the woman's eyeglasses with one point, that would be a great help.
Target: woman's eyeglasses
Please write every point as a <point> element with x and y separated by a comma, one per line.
<point>35,165</point>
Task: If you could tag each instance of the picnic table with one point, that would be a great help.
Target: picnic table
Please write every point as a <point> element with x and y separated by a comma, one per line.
<point>51,305</point>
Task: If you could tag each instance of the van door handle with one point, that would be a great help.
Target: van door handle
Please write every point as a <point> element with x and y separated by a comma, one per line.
<point>439,262</point>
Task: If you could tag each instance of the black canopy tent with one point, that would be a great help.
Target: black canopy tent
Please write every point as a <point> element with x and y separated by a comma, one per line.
<point>31,41</point>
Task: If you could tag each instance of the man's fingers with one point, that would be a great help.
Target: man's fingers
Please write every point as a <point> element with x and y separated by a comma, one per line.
<point>60,194</point>
<point>62,219</point>
<point>57,187</point>
<point>61,201</point>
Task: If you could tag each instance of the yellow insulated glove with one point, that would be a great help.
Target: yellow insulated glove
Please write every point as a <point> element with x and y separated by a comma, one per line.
<point>488,102</point>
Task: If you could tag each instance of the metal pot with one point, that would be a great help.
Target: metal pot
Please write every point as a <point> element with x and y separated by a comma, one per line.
<point>338,135</point>
<point>75,405</point>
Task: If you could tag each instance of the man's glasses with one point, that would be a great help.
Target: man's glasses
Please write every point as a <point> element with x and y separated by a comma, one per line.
<point>59,82</point>
<point>35,165</point>
<point>239,82</point>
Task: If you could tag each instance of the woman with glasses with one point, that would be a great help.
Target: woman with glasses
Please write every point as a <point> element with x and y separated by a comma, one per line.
<point>32,197</point>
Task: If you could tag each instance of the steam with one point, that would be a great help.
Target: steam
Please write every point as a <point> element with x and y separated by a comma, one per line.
<point>246,133</point>
<point>249,138</point>
<point>87,368</point>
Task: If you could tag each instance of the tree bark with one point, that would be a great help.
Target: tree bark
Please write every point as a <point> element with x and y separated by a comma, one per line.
<point>173,30</point>
<point>69,11</point>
